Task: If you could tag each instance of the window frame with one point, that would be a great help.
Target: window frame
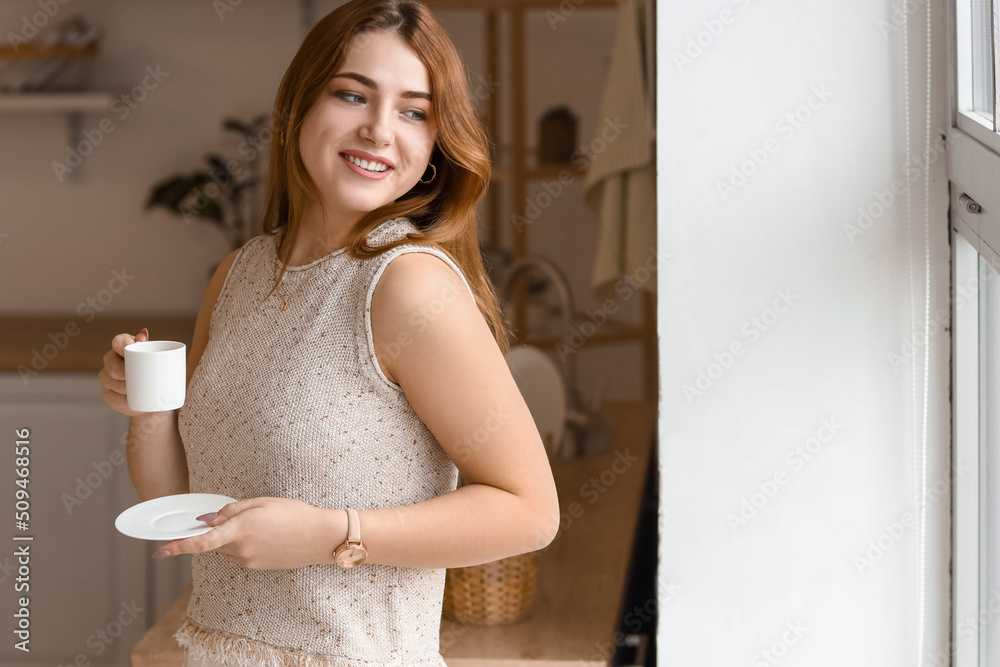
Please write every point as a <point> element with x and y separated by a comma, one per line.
<point>973,124</point>
<point>973,171</point>
<point>968,517</point>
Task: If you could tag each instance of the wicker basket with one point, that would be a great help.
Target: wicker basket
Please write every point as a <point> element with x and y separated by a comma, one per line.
<point>501,591</point>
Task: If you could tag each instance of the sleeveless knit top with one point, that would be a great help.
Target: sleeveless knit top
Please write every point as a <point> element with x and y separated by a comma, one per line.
<point>292,403</point>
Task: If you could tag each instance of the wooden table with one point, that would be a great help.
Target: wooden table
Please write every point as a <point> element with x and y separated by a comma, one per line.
<point>54,344</point>
<point>581,575</point>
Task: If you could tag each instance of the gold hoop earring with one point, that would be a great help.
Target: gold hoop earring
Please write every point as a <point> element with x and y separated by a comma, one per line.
<point>282,137</point>
<point>432,177</point>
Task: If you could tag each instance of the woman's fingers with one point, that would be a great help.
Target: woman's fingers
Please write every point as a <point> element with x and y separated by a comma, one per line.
<point>209,541</point>
<point>112,375</point>
<point>109,382</point>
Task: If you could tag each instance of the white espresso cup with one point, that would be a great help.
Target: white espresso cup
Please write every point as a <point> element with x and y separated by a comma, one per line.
<point>155,375</point>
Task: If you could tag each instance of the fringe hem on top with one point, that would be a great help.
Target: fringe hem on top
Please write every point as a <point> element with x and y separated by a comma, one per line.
<point>245,652</point>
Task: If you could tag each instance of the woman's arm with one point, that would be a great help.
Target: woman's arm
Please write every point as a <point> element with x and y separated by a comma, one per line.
<point>458,382</point>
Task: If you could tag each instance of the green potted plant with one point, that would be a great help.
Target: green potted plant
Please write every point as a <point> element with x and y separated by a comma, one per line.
<point>225,194</point>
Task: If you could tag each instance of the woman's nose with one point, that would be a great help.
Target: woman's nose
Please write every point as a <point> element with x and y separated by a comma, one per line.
<point>378,127</point>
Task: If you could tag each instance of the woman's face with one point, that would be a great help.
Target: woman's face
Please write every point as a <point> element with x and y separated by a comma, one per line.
<point>375,107</point>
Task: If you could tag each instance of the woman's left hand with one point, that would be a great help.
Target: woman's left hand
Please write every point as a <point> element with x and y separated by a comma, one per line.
<point>266,533</point>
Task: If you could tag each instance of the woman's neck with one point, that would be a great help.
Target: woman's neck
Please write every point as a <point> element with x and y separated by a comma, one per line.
<point>314,241</point>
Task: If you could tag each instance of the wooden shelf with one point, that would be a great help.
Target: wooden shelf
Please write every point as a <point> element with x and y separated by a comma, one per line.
<point>55,102</point>
<point>33,51</point>
<point>613,330</point>
<point>546,172</point>
<point>515,4</point>
<point>72,104</point>
<point>67,343</point>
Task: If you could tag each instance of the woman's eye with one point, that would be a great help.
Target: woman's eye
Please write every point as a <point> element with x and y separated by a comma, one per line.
<point>344,95</point>
<point>350,97</point>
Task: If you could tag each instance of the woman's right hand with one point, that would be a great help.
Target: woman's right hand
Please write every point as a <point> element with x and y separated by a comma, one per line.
<point>112,376</point>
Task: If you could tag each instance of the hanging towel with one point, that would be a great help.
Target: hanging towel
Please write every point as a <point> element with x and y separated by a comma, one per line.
<point>620,187</point>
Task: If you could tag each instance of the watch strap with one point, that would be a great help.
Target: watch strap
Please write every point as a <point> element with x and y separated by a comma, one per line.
<point>353,526</point>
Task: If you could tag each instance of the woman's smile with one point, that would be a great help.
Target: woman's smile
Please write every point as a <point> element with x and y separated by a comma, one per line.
<point>368,172</point>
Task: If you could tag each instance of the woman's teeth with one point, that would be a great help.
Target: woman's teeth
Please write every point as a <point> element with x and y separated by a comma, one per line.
<point>364,164</point>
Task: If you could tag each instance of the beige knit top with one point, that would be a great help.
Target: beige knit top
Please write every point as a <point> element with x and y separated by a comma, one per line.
<point>291,403</point>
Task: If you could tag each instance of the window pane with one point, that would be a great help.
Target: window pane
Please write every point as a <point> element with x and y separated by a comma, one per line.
<point>982,59</point>
<point>996,66</point>
<point>989,430</point>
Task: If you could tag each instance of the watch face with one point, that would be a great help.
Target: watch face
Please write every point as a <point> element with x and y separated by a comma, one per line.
<point>350,556</point>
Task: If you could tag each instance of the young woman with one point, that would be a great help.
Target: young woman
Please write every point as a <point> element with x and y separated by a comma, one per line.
<point>347,365</point>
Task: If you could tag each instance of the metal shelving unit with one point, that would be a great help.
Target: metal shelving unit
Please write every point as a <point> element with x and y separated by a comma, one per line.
<point>518,174</point>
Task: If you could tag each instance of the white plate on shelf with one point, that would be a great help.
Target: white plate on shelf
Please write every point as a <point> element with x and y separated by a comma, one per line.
<point>170,517</point>
<point>541,385</point>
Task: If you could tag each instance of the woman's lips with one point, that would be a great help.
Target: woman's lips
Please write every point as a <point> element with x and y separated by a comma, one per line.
<point>374,175</point>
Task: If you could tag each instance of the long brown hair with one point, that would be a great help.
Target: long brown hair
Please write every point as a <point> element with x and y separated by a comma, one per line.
<point>443,210</point>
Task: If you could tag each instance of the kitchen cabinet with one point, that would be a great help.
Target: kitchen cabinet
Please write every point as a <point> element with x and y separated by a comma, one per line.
<point>90,592</point>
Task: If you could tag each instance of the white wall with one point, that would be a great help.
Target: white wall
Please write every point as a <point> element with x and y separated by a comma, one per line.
<point>742,586</point>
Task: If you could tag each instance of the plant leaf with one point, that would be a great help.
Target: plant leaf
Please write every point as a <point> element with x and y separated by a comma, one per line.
<point>169,192</point>
<point>205,207</point>
<point>236,126</point>
<point>216,162</point>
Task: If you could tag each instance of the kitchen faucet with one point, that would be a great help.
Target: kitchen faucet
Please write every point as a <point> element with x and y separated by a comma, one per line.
<point>587,431</point>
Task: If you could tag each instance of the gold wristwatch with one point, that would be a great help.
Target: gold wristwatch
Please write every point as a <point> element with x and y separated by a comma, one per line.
<point>351,552</point>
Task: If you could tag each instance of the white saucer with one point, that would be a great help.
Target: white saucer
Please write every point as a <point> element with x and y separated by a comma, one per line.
<point>170,517</point>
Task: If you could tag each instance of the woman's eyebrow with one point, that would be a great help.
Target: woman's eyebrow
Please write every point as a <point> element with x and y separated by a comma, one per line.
<point>361,78</point>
